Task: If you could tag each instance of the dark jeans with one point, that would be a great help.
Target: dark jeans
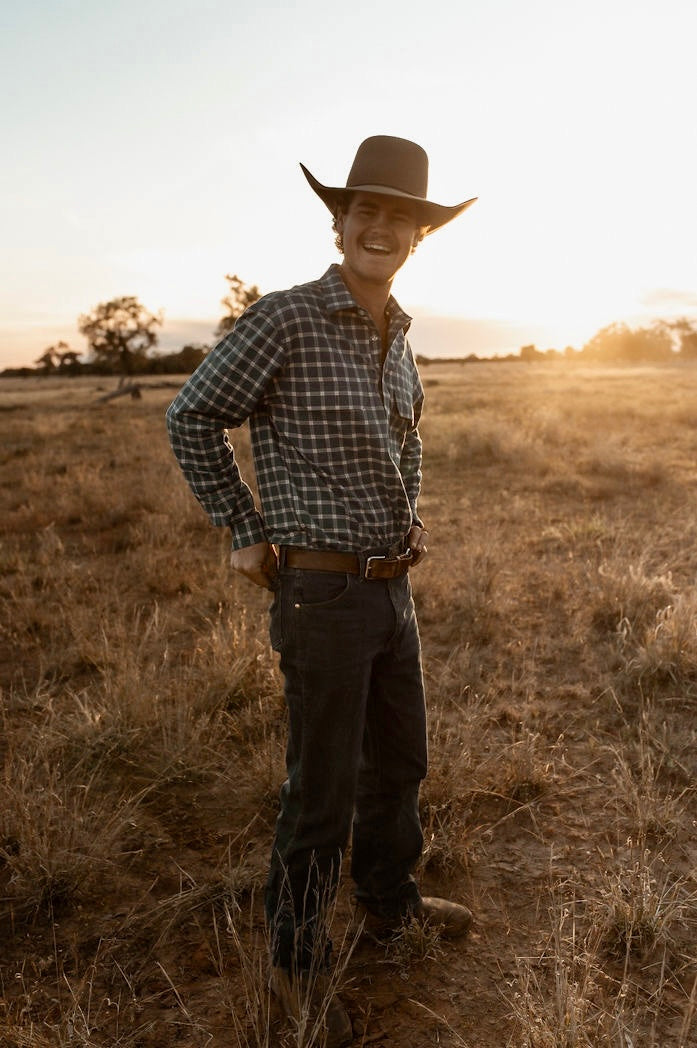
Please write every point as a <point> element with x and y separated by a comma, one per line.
<point>351,659</point>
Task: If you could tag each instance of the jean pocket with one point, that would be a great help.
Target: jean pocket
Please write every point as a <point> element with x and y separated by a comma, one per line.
<point>320,589</point>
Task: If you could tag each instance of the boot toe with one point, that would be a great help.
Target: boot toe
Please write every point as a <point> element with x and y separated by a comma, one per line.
<point>453,919</point>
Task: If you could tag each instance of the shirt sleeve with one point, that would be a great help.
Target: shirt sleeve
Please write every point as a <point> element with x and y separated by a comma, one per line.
<point>220,395</point>
<point>410,463</point>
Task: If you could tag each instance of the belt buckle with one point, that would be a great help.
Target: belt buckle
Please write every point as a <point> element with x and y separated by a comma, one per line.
<point>368,574</point>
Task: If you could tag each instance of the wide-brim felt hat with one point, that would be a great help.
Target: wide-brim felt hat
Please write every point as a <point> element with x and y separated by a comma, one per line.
<point>393,167</point>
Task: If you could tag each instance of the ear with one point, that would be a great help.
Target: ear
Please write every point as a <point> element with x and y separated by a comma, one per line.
<point>339,220</point>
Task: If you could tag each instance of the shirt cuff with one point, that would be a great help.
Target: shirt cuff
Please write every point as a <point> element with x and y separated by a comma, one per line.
<point>247,532</point>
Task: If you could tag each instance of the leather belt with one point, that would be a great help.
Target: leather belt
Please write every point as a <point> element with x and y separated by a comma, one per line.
<point>369,567</point>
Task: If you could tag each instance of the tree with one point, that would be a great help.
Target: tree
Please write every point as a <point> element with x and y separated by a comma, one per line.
<point>687,335</point>
<point>120,333</point>
<point>69,361</point>
<point>47,361</point>
<point>58,358</point>
<point>620,343</point>
<point>190,356</point>
<point>529,353</point>
<point>236,301</point>
<point>186,360</point>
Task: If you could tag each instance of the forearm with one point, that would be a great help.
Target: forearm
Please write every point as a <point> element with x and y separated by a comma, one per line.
<point>410,468</point>
<point>208,463</point>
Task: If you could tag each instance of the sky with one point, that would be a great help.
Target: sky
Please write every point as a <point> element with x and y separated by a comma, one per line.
<point>151,147</point>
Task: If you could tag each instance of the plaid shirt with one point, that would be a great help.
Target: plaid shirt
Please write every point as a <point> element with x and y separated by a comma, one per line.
<point>334,435</point>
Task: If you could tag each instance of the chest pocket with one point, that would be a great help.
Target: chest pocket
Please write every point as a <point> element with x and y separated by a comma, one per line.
<point>398,394</point>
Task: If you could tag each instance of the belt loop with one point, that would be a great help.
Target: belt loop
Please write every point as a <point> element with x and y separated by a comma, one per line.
<point>282,556</point>
<point>362,564</point>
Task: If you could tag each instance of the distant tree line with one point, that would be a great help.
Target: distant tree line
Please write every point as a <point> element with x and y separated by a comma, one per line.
<point>660,342</point>
<point>122,338</point>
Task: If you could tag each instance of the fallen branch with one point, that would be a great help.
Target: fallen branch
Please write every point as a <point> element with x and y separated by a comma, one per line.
<point>134,389</point>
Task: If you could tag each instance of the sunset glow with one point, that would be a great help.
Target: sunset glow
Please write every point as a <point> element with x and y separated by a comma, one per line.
<point>155,147</point>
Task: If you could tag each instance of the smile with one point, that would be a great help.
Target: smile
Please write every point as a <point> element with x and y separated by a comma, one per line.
<point>380,249</point>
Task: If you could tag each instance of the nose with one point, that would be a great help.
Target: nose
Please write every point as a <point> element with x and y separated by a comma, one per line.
<point>381,220</point>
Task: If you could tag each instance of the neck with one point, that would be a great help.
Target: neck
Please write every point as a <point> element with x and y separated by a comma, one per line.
<point>373,297</point>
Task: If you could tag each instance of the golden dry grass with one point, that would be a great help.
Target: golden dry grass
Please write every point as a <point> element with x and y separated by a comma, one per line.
<point>143,727</point>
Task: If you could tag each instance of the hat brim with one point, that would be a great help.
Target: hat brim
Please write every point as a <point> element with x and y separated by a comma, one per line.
<point>429,216</point>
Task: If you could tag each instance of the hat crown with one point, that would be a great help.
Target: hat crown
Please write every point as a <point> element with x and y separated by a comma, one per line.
<point>393,167</point>
<point>395,163</point>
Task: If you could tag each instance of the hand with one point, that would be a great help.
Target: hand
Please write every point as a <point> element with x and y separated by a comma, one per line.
<point>416,542</point>
<point>258,563</point>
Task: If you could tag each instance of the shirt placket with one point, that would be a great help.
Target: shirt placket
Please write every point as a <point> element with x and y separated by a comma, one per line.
<point>367,335</point>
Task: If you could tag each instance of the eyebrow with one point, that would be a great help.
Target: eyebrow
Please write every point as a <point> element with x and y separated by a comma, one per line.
<point>395,210</point>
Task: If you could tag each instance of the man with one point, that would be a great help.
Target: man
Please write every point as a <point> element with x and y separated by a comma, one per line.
<point>327,380</point>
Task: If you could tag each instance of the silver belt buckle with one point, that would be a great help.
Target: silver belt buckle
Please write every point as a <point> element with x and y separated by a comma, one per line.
<point>369,566</point>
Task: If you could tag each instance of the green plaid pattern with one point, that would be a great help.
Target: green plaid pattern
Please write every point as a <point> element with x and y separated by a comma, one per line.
<point>337,452</point>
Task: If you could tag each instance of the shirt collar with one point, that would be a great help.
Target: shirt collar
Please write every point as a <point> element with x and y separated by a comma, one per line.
<point>337,297</point>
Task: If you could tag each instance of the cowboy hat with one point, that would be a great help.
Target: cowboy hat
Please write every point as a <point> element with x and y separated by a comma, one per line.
<point>394,167</point>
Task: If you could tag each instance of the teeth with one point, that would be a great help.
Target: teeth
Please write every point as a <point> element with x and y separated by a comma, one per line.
<point>377,247</point>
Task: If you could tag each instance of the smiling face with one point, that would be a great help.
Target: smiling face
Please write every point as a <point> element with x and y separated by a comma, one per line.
<point>379,233</point>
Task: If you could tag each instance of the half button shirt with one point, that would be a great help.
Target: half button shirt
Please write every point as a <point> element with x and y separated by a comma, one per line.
<point>334,431</point>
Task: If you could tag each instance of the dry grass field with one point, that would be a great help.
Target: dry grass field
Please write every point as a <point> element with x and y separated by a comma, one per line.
<point>143,728</point>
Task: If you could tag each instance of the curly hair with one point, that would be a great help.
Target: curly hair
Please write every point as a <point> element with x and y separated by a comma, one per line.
<point>338,238</point>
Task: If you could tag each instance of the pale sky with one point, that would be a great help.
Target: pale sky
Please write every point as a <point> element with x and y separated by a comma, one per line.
<point>151,147</point>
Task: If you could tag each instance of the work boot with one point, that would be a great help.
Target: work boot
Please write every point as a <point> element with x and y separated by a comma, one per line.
<point>310,993</point>
<point>452,920</point>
